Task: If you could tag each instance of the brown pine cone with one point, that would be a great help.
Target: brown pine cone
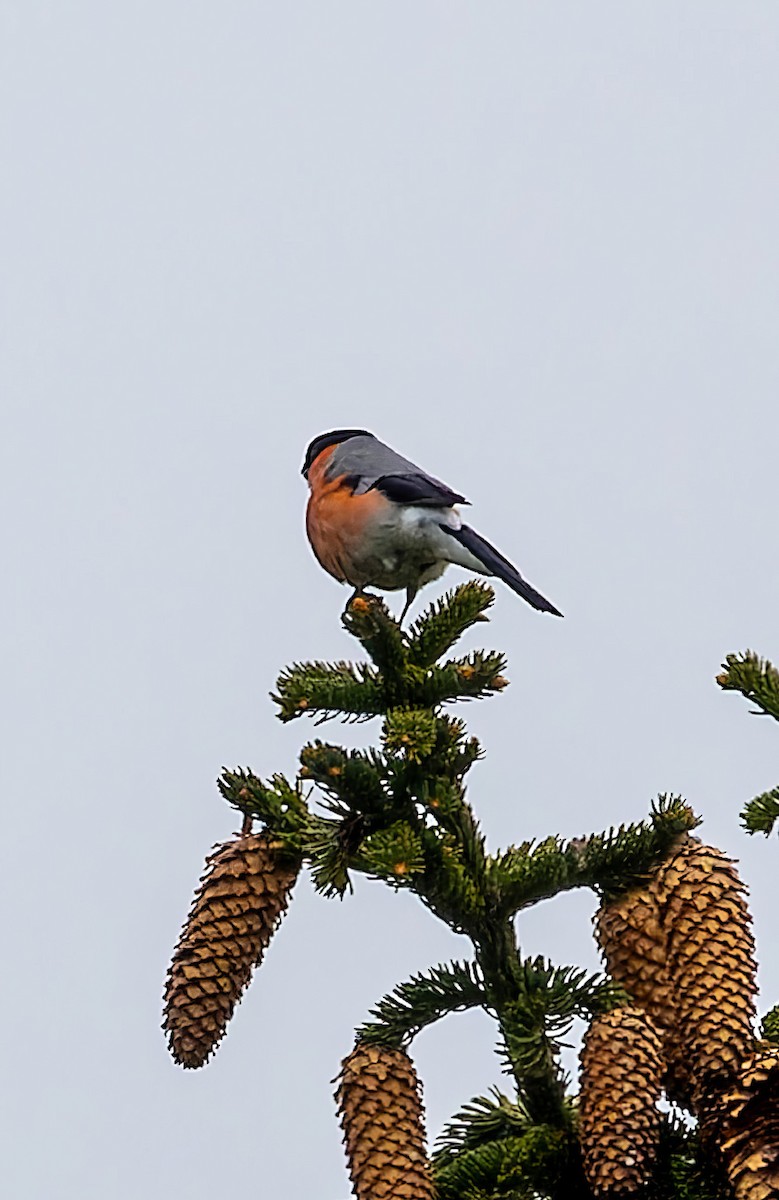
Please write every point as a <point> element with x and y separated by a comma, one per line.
<point>619,1123</point>
<point>242,896</point>
<point>635,951</point>
<point>634,947</point>
<point>741,1125</point>
<point>381,1113</point>
<point>710,959</point>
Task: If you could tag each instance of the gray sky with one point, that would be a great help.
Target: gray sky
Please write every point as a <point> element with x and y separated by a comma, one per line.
<point>533,246</point>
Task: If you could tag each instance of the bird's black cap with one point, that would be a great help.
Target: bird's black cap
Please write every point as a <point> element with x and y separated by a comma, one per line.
<point>334,438</point>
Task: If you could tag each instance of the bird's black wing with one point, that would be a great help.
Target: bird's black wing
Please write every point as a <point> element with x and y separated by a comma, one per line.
<point>417,489</point>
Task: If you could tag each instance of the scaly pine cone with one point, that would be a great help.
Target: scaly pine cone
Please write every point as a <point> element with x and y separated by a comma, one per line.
<point>242,896</point>
<point>742,1123</point>
<point>381,1113</point>
<point>710,959</point>
<point>635,950</point>
<point>634,947</point>
<point>619,1123</point>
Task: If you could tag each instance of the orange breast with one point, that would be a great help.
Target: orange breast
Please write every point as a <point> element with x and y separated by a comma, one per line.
<point>337,520</point>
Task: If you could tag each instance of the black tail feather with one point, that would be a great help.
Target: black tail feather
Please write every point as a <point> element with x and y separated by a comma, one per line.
<point>495,564</point>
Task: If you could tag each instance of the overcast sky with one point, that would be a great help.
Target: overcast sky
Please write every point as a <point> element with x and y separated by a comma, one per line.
<point>534,247</point>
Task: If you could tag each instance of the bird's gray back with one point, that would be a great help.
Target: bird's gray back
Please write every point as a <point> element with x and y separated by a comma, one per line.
<point>371,460</point>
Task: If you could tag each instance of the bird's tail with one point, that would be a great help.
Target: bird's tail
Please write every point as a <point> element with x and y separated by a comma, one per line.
<point>494,563</point>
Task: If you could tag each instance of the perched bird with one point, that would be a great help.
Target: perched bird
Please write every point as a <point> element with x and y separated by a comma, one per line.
<point>375,519</point>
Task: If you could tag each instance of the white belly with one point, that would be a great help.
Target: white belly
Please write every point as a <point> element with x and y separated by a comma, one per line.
<point>407,547</point>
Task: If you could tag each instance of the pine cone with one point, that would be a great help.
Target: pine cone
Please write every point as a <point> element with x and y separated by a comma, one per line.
<point>243,894</point>
<point>710,959</point>
<point>635,950</point>
<point>381,1113</point>
<point>634,947</point>
<point>619,1123</point>
<point>743,1124</point>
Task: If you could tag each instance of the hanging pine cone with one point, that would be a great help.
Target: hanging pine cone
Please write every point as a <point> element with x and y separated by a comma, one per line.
<point>242,896</point>
<point>742,1125</point>
<point>381,1113</point>
<point>710,958</point>
<point>619,1123</point>
<point>634,948</point>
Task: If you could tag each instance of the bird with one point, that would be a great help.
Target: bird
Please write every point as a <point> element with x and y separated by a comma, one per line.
<point>375,519</point>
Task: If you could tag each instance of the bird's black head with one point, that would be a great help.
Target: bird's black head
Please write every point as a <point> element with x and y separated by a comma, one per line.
<point>334,438</point>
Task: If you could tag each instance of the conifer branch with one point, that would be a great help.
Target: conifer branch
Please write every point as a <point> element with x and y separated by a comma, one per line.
<point>756,678</point>
<point>411,735</point>
<point>484,1119</point>
<point>351,689</point>
<point>680,1172</point>
<point>473,1173</point>
<point>529,1053</point>
<point>537,1018</point>
<point>330,847</point>
<point>446,620</point>
<point>354,777</point>
<point>761,814</point>
<point>421,1001</point>
<point>541,1161</point>
<point>368,619</point>
<point>608,862</point>
<point>447,886</point>
<point>279,806</point>
<point>428,756</point>
<point>394,853</point>
<point>360,692</point>
<point>769,1026</point>
<point>473,677</point>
